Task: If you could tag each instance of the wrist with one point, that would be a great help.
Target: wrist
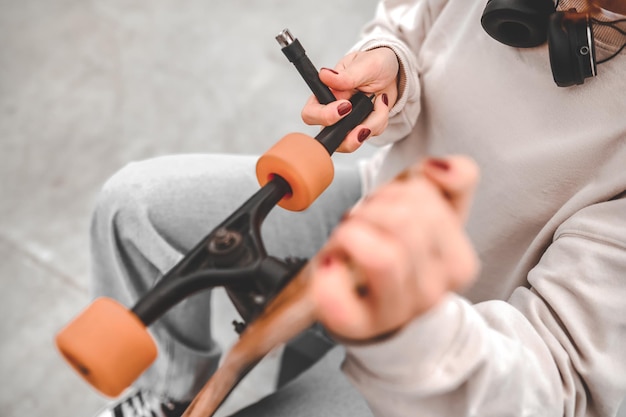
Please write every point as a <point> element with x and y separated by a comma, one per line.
<point>402,57</point>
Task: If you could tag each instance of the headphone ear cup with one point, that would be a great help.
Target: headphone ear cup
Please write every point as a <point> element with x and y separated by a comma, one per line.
<point>571,48</point>
<point>517,23</point>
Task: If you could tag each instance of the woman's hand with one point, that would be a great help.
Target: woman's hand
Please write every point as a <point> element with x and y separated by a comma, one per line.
<point>399,252</point>
<point>371,72</point>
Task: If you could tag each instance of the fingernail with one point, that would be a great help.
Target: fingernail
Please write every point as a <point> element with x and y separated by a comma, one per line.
<point>385,99</point>
<point>331,70</point>
<point>363,134</point>
<point>441,164</point>
<point>327,261</point>
<point>344,108</point>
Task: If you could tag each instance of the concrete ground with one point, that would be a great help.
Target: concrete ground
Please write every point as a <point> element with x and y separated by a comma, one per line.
<point>88,86</point>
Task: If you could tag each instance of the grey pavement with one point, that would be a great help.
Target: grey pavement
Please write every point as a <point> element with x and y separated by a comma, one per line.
<point>88,86</point>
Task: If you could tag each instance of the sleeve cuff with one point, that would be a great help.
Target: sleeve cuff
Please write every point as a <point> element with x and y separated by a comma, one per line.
<point>415,352</point>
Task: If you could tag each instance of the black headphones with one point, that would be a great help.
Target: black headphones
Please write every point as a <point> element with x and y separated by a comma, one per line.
<point>528,23</point>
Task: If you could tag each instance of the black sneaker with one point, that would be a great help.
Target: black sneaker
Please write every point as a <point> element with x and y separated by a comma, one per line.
<point>143,404</point>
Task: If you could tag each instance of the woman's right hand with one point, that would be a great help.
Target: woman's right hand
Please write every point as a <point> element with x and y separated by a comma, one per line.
<point>371,72</point>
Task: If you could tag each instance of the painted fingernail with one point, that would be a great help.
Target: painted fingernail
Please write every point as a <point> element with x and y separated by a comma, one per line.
<point>327,261</point>
<point>331,70</point>
<point>441,164</point>
<point>385,99</point>
<point>363,134</point>
<point>344,108</point>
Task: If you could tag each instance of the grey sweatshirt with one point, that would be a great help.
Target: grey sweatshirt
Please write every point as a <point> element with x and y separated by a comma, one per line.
<point>543,330</point>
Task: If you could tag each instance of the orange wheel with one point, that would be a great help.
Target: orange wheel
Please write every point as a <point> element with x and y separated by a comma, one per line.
<point>107,345</point>
<point>303,162</point>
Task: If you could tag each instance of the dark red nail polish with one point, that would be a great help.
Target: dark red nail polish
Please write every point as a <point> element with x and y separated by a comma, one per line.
<point>331,70</point>
<point>439,164</point>
<point>385,99</point>
<point>344,108</point>
<point>327,260</point>
<point>363,134</point>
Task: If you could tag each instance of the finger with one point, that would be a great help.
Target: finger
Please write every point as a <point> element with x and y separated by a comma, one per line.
<point>369,71</point>
<point>440,252</point>
<point>373,125</point>
<point>378,120</point>
<point>405,206</point>
<point>355,139</point>
<point>457,256</point>
<point>447,245</point>
<point>314,113</point>
<point>337,302</point>
<point>457,176</point>
<point>374,297</point>
<point>345,81</point>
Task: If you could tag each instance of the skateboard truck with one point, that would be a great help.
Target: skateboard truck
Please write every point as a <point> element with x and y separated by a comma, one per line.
<point>108,344</point>
<point>233,254</point>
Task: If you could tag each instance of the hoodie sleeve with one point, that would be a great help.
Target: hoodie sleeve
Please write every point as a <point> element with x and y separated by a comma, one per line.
<point>555,348</point>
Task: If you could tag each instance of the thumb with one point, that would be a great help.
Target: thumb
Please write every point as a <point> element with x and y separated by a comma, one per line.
<point>369,71</point>
<point>346,80</point>
<point>365,71</point>
<point>457,176</point>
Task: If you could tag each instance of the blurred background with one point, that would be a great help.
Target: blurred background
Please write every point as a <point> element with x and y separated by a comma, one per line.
<point>87,86</point>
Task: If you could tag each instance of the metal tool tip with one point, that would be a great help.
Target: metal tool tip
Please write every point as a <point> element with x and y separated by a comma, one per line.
<point>285,38</point>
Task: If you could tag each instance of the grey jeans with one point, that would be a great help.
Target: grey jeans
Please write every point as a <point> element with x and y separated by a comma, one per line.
<point>151,213</point>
